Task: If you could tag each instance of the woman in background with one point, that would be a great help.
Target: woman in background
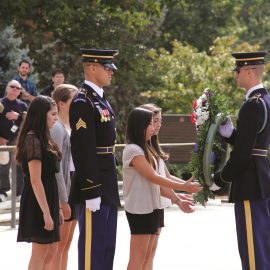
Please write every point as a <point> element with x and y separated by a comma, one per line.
<point>141,185</point>
<point>39,219</point>
<point>60,133</point>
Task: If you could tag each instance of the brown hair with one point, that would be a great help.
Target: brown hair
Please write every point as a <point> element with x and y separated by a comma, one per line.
<point>36,122</point>
<point>154,142</point>
<point>138,121</point>
<point>62,92</point>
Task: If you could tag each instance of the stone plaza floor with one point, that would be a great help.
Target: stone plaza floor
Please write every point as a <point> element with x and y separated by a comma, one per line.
<point>203,240</point>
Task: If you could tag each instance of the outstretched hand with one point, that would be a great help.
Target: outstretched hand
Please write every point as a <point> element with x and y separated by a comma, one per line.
<point>193,187</point>
<point>186,206</point>
<point>185,196</point>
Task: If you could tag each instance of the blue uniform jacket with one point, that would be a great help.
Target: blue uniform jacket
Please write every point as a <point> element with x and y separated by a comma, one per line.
<point>92,121</point>
<point>249,174</point>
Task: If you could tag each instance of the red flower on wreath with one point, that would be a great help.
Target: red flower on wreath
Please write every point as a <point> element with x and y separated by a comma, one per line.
<point>192,118</point>
<point>194,104</point>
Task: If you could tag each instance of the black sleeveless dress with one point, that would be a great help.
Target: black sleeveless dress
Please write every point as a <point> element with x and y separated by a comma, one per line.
<point>31,222</point>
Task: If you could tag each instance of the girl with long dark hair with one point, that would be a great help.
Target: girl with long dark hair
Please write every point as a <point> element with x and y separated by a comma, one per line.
<point>183,200</point>
<point>141,185</point>
<point>39,218</point>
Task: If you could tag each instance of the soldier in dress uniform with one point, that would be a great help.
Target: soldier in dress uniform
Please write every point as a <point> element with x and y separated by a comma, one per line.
<point>94,187</point>
<point>248,168</point>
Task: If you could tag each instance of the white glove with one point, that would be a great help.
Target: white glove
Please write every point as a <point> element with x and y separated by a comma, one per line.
<point>214,187</point>
<point>93,204</point>
<point>226,130</point>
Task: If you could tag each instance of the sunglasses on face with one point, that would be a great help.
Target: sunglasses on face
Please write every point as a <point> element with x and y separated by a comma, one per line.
<point>14,86</point>
<point>107,68</point>
<point>104,67</point>
<point>239,69</point>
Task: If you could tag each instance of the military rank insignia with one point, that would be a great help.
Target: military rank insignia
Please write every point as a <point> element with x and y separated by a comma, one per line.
<point>80,124</point>
<point>256,97</point>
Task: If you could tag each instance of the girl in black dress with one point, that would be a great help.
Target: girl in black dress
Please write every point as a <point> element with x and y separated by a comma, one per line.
<point>39,219</point>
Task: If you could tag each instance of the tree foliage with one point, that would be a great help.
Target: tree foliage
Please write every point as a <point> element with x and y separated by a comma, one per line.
<point>10,55</point>
<point>169,50</point>
<point>199,22</point>
<point>184,73</point>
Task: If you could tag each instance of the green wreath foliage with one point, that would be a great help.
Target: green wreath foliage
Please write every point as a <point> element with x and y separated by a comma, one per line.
<point>213,104</point>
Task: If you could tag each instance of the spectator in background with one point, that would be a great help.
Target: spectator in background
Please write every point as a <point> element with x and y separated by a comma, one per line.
<point>11,117</point>
<point>29,89</point>
<point>58,78</point>
<point>60,133</point>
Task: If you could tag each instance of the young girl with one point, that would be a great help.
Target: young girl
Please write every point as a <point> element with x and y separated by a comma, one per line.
<point>39,209</point>
<point>183,201</point>
<point>60,133</point>
<point>141,185</point>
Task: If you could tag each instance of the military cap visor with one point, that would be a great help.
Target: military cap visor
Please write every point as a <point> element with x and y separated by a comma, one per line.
<point>246,59</point>
<point>103,57</point>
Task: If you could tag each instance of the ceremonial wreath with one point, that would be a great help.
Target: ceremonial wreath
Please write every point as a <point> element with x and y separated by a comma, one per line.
<point>210,152</point>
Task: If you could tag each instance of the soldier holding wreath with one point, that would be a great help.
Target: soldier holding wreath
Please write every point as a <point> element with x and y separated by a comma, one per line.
<point>247,169</point>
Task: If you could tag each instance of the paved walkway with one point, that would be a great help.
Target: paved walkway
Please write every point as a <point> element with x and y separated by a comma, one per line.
<point>204,240</point>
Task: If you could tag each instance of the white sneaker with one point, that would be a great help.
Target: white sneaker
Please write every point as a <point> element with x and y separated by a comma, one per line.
<point>3,198</point>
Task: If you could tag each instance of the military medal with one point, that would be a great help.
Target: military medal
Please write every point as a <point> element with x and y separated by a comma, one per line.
<point>105,115</point>
<point>108,115</point>
<point>101,114</point>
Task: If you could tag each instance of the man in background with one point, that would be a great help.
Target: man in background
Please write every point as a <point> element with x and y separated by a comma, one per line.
<point>29,89</point>
<point>11,116</point>
<point>58,78</point>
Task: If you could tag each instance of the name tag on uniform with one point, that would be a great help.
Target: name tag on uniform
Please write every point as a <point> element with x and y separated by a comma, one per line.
<point>14,128</point>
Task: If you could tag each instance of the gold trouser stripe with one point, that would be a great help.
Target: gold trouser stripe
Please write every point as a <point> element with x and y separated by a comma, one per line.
<point>251,255</point>
<point>88,239</point>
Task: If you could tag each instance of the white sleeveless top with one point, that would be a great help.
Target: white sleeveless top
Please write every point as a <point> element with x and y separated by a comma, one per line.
<point>164,202</point>
<point>140,195</point>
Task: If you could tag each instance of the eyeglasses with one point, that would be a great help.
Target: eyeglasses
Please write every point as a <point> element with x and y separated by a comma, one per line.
<point>238,70</point>
<point>14,86</point>
<point>100,65</point>
<point>107,68</point>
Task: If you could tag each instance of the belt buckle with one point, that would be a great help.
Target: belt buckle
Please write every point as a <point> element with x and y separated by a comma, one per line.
<point>106,150</point>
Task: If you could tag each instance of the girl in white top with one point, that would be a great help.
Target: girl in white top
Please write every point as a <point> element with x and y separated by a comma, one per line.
<point>60,133</point>
<point>141,185</point>
<point>183,201</point>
